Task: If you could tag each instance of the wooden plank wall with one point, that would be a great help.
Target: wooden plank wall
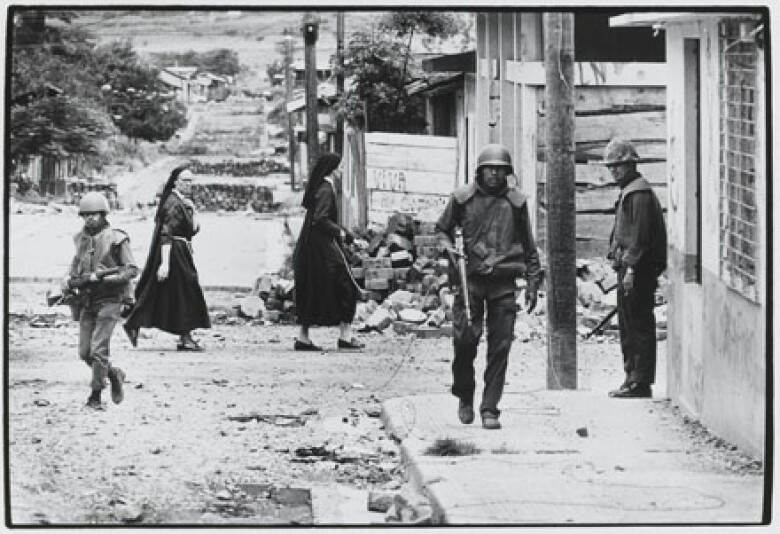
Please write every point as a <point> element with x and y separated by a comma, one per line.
<point>602,112</point>
<point>409,173</point>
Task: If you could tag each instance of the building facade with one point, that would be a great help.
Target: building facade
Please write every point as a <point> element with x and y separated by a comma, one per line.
<point>717,354</point>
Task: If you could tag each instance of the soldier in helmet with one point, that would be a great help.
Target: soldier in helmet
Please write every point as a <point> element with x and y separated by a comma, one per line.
<point>499,247</point>
<point>101,270</point>
<point>637,248</point>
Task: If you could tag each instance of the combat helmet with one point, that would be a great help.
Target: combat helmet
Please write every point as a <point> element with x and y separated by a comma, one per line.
<point>494,154</point>
<point>619,151</point>
<point>93,202</point>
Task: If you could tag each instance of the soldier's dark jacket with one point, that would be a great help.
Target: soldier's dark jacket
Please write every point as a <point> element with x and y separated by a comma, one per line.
<point>110,247</point>
<point>497,234</point>
<point>638,237</point>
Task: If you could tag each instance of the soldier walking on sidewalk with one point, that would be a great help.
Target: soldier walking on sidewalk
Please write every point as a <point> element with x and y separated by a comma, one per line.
<point>101,272</point>
<point>498,246</point>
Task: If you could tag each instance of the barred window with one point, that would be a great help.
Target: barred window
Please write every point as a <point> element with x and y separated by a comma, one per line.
<point>738,204</point>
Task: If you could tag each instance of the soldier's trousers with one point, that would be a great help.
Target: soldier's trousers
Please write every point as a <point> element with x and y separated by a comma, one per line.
<point>96,324</point>
<point>498,298</point>
<point>636,322</point>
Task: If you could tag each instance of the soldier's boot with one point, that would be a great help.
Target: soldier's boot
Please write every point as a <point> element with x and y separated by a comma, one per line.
<point>99,375</point>
<point>93,401</point>
<point>117,377</point>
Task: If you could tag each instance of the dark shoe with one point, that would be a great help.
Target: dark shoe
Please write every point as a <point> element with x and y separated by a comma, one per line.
<point>116,376</point>
<point>303,346</point>
<point>189,345</point>
<point>623,388</point>
<point>490,422</point>
<point>94,401</point>
<point>132,334</point>
<point>465,412</point>
<point>352,344</point>
<point>635,390</point>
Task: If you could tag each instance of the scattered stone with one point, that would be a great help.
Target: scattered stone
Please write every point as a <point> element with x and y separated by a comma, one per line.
<point>129,513</point>
<point>582,432</point>
<point>224,495</point>
<point>380,501</point>
<point>251,306</point>
<point>373,411</point>
<point>41,402</point>
<point>379,320</point>
<point>411,315</point>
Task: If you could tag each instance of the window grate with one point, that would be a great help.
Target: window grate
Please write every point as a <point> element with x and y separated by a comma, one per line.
<point>738,208</point>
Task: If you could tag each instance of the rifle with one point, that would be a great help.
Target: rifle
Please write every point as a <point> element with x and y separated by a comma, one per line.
<point>83,280</point>
<point>77,286</point>
<point>610,315</point>
<point>464,283</point>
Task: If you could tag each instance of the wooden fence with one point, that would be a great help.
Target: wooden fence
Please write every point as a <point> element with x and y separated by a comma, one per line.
<point>385,173</point>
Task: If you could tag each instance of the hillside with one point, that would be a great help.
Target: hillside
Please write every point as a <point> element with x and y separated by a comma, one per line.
<point>252,34</point>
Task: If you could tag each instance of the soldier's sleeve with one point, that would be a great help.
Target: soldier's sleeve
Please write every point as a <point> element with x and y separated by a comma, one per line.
<point>323,202</point>
<point>533,267</point>
<point>124,259</point>
<point>446,224</point>
<point>638,211</point>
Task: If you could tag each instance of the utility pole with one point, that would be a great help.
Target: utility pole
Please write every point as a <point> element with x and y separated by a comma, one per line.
<point>561,208</point>
<point>340,79</point>
<point>310,27</point>
<point>288,40</point>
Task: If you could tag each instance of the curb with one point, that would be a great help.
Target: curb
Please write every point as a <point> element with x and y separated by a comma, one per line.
<point>439,515</point>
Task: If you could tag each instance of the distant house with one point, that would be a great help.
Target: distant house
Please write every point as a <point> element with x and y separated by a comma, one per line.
<point>179,80</point>
<point>324,71</point>
<point>717,356</point>
<point>207,86</point>
<point>326,120</point>
<point>189,85</point>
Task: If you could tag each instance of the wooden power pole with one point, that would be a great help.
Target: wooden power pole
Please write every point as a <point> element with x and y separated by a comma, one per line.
<point>288,40</point>
<point>310,28</point>
<point>340,79</point>
<point>561,208</point>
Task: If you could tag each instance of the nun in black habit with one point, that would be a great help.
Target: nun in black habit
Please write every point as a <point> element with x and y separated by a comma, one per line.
<point>325,292</point>
<point>168,295</point>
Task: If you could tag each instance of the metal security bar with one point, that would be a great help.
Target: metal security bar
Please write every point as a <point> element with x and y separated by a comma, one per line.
<point>738,209</point>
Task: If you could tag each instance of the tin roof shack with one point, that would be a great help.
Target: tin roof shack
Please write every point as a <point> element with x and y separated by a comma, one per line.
<point>717,219</point>
<point>620,78</point>
<point>179,80</point>
<point>449,91</point>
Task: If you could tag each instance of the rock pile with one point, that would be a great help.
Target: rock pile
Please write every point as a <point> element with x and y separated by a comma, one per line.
<point>232,197</point>
<point>260,167</point>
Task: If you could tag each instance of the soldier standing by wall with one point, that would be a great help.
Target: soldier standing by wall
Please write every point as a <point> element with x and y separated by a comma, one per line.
<point>499,247</point>
<point>101,271</point>
<point>637,248</point>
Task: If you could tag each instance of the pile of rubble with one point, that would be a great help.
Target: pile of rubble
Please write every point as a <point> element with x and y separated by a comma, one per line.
<point>259,167</point>
<point>232,197</point>
<point>597,300</point>
<point>406,290</point>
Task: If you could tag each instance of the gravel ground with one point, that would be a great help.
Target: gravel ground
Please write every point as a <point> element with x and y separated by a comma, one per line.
<point>194,427</point>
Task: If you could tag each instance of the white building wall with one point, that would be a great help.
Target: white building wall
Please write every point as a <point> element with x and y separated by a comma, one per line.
<point>716,346</point>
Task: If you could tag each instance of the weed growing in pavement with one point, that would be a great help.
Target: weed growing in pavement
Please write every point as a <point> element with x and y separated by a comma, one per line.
<point>451,447</point>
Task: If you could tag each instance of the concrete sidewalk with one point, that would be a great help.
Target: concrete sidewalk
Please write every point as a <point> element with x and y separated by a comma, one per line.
<point>635,463</point>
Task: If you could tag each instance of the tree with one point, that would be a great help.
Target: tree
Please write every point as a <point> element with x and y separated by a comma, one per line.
<point>53,96</point>
<point>381,65</point>
<point>139,106</point>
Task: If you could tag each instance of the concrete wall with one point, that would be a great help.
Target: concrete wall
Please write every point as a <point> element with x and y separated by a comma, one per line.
<point>716,363</point>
